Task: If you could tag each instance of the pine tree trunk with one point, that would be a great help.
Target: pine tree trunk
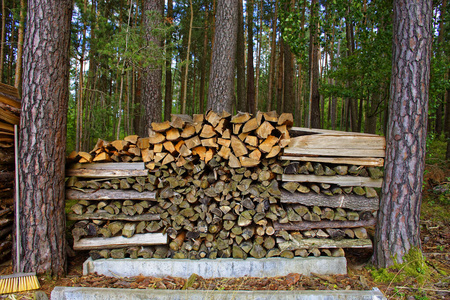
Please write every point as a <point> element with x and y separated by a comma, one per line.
<point>43,136</point>
<point>314,98</point>
<point>168,92</point>
<point>152,75</point>
<point>250,68</point>
<point>3,40</point>
<point>203,65</point>
<point>280,78</point>
<point>221,80</point>
<point>273,53</point>
<point>240,62</point>
<point>18,74</point>
<point>398,228</point>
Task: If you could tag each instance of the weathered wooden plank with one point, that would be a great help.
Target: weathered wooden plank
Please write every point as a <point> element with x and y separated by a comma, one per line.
<point>103,194</point>
<point>358,161</point>
<point>331,141</point>
<point>306,225</point>
<point>293,150</point>
<point>302,130</point>
<point>109,166</point>
<point>98,243</point>
<point>323,243</point>
<point>108,216</point>
<point>94,173</point>
<point>9,95</point>
<point>354,202</point>
<point>339,180</point>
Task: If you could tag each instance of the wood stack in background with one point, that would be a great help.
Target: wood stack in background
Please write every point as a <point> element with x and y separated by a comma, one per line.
<point>9,116</point>
<point>208,187</point>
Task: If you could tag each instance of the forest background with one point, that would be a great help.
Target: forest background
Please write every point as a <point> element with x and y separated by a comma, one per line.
<point>327,61</point>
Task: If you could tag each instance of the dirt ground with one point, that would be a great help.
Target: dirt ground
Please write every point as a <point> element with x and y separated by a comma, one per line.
<point>396,283</point>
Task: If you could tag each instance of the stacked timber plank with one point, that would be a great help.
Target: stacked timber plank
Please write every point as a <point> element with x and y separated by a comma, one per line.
<point>9,116</point>
<point>329,186</point>
<point>207,187</point>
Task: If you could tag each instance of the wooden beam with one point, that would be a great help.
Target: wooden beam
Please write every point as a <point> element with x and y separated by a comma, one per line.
<point>339,180</point>
<point>293,150</point>
<point>332,141</point>
<point>301,130</point>
<point>358,161</point>
<point>107,216</point>
<point>306,225</point>
<point>98,243</point>
<point>103,194</point>
<point>109,166</point>
<point>94,173</point>
<point>323,243</point>
<point>354,202</point>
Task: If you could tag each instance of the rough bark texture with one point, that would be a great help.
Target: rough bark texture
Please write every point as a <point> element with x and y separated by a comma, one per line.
<point>314,98</point>
<point>221,79</point>
<point>152,75</point>
<point>43,136</point>
<point>168,93</point>
<point>240,62</point>
<point>398,218</point>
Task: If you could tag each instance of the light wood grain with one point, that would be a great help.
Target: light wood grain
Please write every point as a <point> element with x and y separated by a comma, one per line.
<point>339,180</point>
<point>103,194</point>
<point>98,243</point>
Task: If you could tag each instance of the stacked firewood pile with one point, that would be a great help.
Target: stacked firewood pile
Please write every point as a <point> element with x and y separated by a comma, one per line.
<point>206,187</point>
<point>9,116</point>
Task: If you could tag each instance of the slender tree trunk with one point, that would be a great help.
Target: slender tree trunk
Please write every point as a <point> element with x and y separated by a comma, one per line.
<point>240,62</point>
<point>258,58</point>
<point>352,107</point>
<point>3,40</point>
<point>18,74</point>
<point>314,98</point>
<point>43,137</point>
<point>397,229</point>
<point>203,65</point>
<point>280,73</point>
<point>447,120</point>
<point>439,112</point>
<point>188,54</point>
<point>168,92</point>
<point>250,69</point>
<point>273,53</point>
<point>152,75</point>
<point>221,80</point>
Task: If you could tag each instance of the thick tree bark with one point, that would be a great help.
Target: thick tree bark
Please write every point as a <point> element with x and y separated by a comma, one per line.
<point>152,75</point>
<point>240,62</point>
<point>221,79</point>
<point>398,218</point>
<point>250,69</point>
<point>168,92</point>
<point>43,136</point>
<point>314,97</point>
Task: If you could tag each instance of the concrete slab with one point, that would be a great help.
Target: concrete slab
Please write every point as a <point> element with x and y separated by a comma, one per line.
<point>78,293</point>
<point>210,268</point>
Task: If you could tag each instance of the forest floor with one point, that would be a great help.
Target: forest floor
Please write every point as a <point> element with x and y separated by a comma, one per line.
<point>426,277</point>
